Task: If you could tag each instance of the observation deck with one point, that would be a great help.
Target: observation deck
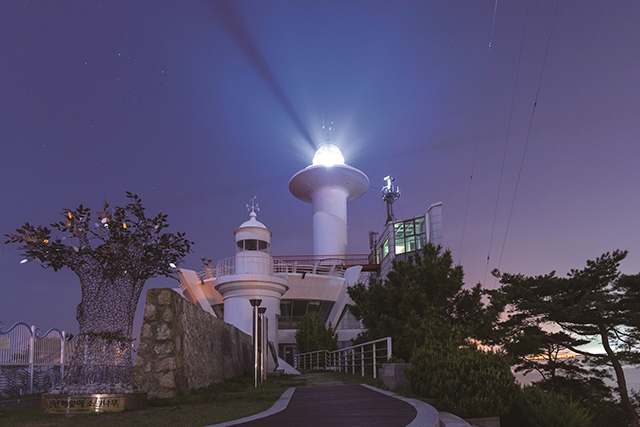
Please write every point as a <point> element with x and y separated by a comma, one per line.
<point>291,264</point>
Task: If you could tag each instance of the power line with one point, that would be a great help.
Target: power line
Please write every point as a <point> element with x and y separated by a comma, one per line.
<point>466,210</point>
<point>475,149</point>
<point>493,24</point>
<point>506,143</point>
<point>526,142</point>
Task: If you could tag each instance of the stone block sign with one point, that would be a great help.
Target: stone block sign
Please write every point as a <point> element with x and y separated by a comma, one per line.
<point>182,347</point>
<point>92,403</point>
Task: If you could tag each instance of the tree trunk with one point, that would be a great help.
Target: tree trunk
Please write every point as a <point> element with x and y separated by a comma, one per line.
<point>101,361</point>
<point>622,383</point>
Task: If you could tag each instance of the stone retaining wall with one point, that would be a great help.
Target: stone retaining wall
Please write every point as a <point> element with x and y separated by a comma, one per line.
<point>182,347</point>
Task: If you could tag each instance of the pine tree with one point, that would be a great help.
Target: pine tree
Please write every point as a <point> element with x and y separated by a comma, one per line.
<point>422,300</point>
<point>597,303</point>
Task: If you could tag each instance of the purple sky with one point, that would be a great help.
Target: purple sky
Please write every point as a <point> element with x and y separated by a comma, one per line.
<point>197,106</point>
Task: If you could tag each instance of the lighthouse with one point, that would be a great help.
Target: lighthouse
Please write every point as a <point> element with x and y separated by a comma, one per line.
<point>250,275</point>
<point>328,184</point>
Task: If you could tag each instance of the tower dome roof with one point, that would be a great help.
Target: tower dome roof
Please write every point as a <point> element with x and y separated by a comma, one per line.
<point>252,229</point>
<point>252,222</point>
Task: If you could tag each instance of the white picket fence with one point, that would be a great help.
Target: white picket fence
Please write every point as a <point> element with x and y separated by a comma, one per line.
<point>30,362</point>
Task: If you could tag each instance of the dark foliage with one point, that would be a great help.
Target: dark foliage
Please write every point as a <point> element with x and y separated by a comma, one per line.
<point>313,335</point>
<point>596,303</point>
<point>466,381</point>
<point>422,301</point>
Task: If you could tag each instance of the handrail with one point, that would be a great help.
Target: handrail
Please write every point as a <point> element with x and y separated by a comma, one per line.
<point>332,265</point>
<point>361,357</point>
<point>272,350</point>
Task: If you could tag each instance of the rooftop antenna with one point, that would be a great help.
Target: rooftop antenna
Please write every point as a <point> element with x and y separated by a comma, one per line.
<point>390,194</point>
<point>253,207</point>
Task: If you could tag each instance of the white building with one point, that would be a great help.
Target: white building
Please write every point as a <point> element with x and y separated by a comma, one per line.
<point>291,286</point>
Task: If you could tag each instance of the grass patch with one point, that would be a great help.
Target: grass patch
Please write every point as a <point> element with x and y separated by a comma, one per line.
<point>25,396</point>
<point>230,400</point>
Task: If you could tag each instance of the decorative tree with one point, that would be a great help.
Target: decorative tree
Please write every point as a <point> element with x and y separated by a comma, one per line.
<point>113,259</point>
<point>595,303</point>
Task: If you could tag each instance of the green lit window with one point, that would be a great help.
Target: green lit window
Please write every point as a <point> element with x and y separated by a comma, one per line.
<point>398,229</point>
<point>384,249</point>
<point>410,243</point>
<point>410,235</point>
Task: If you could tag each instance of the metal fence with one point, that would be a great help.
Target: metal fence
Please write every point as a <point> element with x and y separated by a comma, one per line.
<point>31,362</point>
<point>363,358</point>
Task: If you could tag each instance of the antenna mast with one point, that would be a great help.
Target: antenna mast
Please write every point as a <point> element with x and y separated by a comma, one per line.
<point>390,194</point>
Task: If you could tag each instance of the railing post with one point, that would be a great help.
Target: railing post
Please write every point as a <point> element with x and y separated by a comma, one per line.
<point>62,338</point>
<point>32,341</point>
<point>374,361</point>
<point>388,348</point>
<point>353,362</point>
<point>362,359</point>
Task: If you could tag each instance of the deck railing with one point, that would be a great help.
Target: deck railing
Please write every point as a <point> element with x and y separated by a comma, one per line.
<point>363,358</point>
<point>330,265</point>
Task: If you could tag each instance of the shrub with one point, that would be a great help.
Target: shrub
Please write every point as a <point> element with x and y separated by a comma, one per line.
<point>547,409</point>
<point>313,335</point>
<point>466,381</point>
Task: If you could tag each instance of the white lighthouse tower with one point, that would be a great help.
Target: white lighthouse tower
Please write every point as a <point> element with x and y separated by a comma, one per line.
<point>250,275</point>
<point>328,184</point>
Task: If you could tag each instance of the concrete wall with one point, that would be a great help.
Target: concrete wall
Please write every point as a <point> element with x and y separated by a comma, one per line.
<point>393,375</point>
<point>182,347</point>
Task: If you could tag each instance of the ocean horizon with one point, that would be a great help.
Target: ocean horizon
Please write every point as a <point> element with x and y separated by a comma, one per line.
<point>631,374</point>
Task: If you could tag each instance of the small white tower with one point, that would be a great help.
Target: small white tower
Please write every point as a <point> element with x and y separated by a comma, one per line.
<point>250,275</point>
<point>328,184</point>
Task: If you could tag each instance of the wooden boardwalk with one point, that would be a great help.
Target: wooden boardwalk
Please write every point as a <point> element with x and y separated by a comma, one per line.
<point>339,405</point>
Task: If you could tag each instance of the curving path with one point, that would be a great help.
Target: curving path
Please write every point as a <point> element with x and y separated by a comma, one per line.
<point>342,405</point>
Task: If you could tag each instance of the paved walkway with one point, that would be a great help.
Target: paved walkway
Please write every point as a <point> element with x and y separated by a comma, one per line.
<point>341,405</point>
